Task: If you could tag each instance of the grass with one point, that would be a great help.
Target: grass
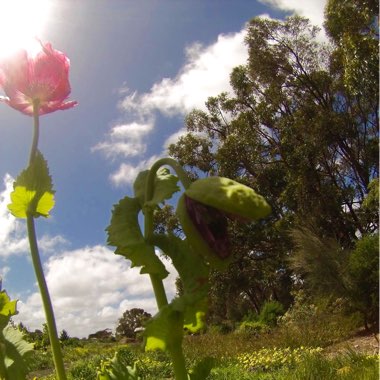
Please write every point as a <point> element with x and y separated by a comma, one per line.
<point>240,356</point>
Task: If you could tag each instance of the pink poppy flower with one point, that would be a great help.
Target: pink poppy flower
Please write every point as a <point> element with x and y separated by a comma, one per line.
<point>41,79</point>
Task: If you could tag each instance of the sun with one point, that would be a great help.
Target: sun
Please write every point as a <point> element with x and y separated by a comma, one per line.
<point>21,21</point>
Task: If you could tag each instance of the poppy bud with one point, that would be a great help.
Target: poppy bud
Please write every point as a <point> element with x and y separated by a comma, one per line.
<point>204,210</point>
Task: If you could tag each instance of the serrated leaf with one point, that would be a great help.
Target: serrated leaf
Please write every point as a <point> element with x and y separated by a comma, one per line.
<point>165,330</point>
<point>15,351</point>
<point>33,190</point>
<point>190,308</point>
<point>7,309</point>
<point>22,199</point>
<point>190,266</point>
<point>18,353</point>
<point>194,274</point>
<point>165,185</point>
<point>124,233</point>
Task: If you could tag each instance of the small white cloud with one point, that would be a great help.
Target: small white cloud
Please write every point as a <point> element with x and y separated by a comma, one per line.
<point>3,273</point>
<point>127,173</point>
<point>50,244</point>
<point>90,289</point>
<point>311,9</point>
<point>172,139</point>
<point>125,140</point>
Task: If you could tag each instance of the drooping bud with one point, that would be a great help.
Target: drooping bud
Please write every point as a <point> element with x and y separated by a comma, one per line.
<point>204,210</point>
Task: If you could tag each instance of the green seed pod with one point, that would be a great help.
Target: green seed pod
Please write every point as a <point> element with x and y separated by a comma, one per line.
<point>204,210</point>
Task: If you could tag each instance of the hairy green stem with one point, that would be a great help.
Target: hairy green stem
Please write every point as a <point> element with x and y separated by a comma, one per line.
<point>46,301</point>
<point>175,349</point>
<point>176,352</point>
<point>158,287</point>
<point>183,177</point>
<point>157,284</point>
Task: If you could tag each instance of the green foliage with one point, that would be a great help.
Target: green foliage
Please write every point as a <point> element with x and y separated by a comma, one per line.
<point>155,365</point>
<point>85,369</point>
<point>320,262</point>
<point>194,273</point>
<point>317,323</point>
<point>165,185</point>
<point>301,128</point>
<point>364,277</point>
<point>353,26</point>
<point>64,336</point>
<point>124,233</point>
<point>343,367</point>
<point>270,312</point>
<point>33,190</point>
<point>14,350</point>
<point>202,370</point>
<point>274,358</point>
<point>41,360</point>
<point>116,369</point>
<point>253,328</point>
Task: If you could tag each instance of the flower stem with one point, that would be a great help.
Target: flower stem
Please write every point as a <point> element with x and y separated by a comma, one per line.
<point>49,314</point>
<point>46,301</point>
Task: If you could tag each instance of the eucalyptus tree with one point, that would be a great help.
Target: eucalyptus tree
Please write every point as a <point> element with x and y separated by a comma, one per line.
<point>300,128</point>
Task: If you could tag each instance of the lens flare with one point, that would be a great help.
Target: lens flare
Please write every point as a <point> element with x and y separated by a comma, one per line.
<point>21,22</point>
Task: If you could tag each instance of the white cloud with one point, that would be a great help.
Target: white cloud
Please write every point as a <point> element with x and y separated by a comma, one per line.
<point>204,74</point>
<point>90,289</point>
<point>172,139</point>
<point>125,140</point>
<point>3,273</point>
<point>311,9</point>
<point>127,173</point>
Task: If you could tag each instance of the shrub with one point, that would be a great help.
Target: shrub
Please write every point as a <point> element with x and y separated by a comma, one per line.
<point>253,328</point>
<point>315,324</point>
<point>364,278</point>
<point>270,312</point>
<point>85,369</point>
<point>224,327</point>
<point>154,365</point>
<point>126,356</point>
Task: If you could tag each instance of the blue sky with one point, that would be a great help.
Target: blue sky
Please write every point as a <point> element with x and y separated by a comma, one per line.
<point>137,68</point>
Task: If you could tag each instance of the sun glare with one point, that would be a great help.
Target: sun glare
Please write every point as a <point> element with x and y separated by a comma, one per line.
<point>21,22</point>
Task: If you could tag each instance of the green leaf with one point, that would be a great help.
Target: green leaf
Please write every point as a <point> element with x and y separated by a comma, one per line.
<point>7,309</point>
<point>18,353</point>
<point>124,233</point>
<point>14,351</point>
<point>188,309</point>
<point>165,185</point>
<point>33,190</point>
<point>194,274</point>
<point>165,330</point>
<point>202,370</point>
<point>115,369</point>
